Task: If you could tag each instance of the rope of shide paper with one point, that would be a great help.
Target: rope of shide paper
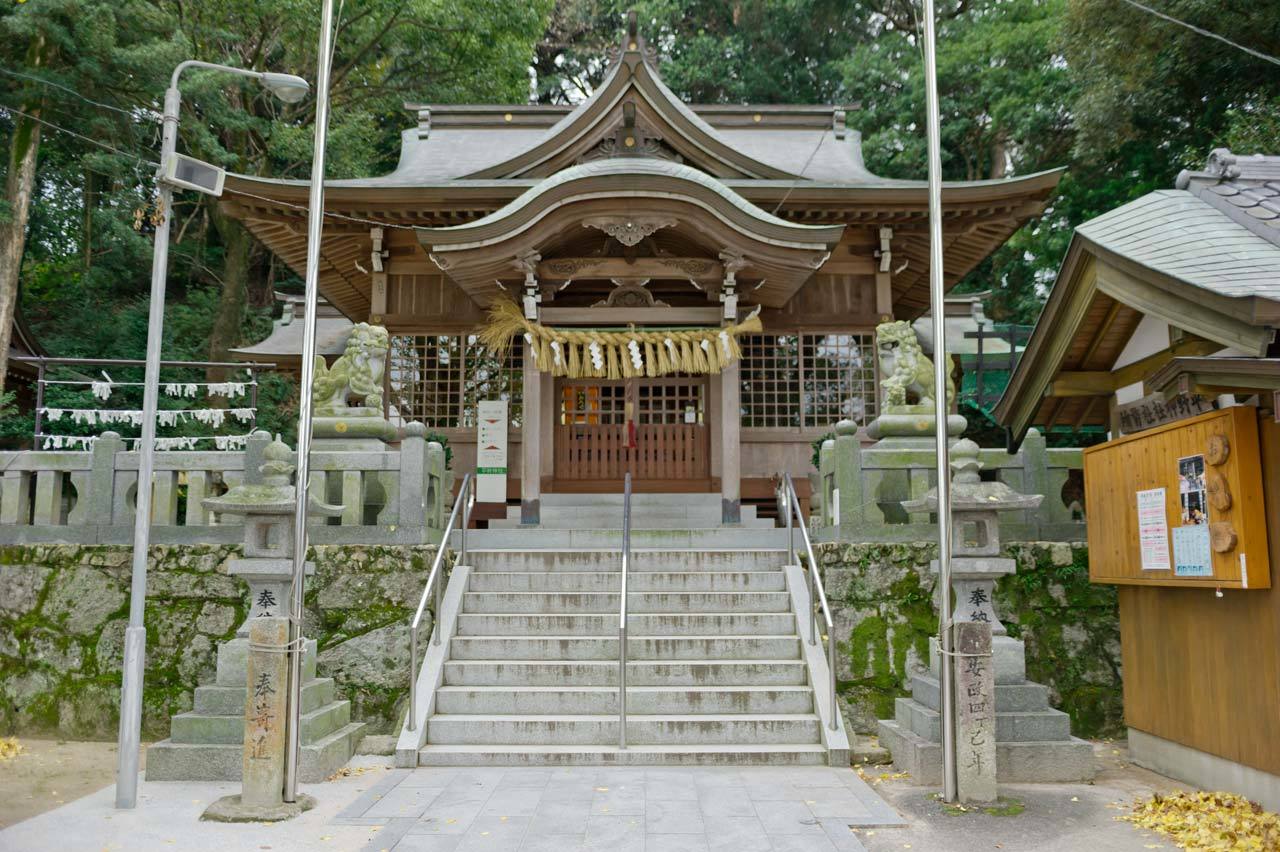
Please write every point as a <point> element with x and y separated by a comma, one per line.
<point>624,353</point>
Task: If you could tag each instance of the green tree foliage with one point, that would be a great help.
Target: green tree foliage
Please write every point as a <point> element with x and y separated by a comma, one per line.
<point>85,272</point>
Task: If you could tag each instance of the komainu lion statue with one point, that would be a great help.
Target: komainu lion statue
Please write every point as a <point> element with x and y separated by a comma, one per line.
<point>357,373</point>
<point>905,371</point>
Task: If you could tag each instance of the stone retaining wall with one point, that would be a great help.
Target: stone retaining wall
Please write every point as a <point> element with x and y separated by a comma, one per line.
<point>63,610</point>
<point>882,598</point>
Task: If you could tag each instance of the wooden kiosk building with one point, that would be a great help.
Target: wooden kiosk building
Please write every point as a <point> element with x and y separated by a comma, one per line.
<point>1162,328</point>
<point>636,209</point>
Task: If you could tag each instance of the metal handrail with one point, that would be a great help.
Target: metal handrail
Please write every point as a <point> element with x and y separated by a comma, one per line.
<point>466,497</point>
<point>622,613</point>
<point>817,594</point>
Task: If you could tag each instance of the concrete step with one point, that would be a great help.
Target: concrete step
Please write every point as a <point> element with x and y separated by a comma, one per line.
<point>642,560</point>
<point>710,538</point>
<point>1037,726</point>
<point>639,581</point>
<point>639,673</point>
<point>572,603</point>
<point>644,624</point>
<point>643,516</point>
<point>737,754</point>
<point>603,700</point>
<point>710,729</point>
<point>198,728</point>
<point>1023,697</point>
<point>214,700</point>
<point>170,761</point>
<point>605,648</point>
<point>614,498</point>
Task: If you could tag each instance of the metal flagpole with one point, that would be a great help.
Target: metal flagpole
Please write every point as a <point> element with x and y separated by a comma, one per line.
<point>315,228</point>
<point>940,401</point>
<point>135,635</point>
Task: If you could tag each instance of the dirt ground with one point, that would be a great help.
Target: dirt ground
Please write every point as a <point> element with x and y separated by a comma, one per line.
<point>1030,817</point>
<point>49,773</point>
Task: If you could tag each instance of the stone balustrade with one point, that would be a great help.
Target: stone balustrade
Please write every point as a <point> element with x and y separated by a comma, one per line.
<point>873,481</point>
<point>389,496</point>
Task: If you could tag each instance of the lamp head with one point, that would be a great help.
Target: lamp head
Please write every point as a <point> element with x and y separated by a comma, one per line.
<point>287,87</point>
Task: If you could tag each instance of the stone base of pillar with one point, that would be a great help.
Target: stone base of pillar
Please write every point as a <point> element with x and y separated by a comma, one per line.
<point>231,809</point>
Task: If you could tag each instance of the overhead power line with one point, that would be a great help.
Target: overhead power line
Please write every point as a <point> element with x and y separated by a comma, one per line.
<point>138,113</point>
<point>80,136</point>
<point>1249,50</point>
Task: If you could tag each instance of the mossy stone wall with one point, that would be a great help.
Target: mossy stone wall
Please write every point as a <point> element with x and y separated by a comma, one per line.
<point>63,611</point>
<point>883,606</point>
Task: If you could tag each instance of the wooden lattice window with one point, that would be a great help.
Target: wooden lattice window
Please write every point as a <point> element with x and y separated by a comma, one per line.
<point>488,377</point>
<point>770,381</point>
<point>839,378</point>
<point>425,379</point>
<point>807,380</point>
<point>435,381</point>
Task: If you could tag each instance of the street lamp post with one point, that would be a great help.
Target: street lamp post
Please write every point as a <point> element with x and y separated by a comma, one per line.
<point>290,89</point>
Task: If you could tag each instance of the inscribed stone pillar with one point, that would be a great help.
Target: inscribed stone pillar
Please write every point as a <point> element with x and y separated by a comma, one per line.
<point>531,441</point>
<point>730,443</point>
<point>975,685</point>
<point>264,713</point>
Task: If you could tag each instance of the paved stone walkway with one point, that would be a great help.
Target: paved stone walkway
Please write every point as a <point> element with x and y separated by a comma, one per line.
<point>669,809</point>
<point>376,808</point>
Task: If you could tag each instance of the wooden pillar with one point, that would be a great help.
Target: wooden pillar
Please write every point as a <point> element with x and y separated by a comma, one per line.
<point>531,441</point>
<point>730,444</point>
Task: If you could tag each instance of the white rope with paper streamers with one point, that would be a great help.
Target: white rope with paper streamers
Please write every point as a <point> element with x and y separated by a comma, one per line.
<point>176,442</point>
<point>616,353</point>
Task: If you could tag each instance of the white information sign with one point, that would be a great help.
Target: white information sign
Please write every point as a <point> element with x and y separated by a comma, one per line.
<point>1153,530</point>
<point>491,451</point>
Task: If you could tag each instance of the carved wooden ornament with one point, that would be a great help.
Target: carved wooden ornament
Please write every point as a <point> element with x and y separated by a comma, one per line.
<point>1219,492</point>
<point>1219,449</point>
<point>1222,537</point>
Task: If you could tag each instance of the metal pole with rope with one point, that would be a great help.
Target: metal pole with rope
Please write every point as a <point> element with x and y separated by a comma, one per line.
<point>315,229</point>
<point>936,294</point>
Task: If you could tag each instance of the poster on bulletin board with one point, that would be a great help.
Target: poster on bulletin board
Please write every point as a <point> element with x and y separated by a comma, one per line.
<point>1153,530</point>
<point>1192,556</point>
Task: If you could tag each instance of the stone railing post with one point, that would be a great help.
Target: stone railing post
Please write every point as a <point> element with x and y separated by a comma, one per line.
<point>102,479</point>
<point>48,503</point>
<point>254,457</point>
<point>413,476</point>
<point>438,486</point>
<point>848,474</point>
<point>1035,475</point>
<point>15,498</point>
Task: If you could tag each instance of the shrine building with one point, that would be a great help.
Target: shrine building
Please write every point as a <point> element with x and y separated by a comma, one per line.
<point>632,212</point>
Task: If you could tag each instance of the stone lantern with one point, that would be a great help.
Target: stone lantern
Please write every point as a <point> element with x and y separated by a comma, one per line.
<point>1033,740</point>
<point>207,743</point>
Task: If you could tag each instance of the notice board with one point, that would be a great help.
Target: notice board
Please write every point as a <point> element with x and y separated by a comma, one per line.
<point>1179,505</point>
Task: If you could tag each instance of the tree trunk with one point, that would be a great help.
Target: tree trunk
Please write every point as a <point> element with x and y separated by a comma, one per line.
<point>237,246</point>
<point>24,147</point>
<point>86,222</point>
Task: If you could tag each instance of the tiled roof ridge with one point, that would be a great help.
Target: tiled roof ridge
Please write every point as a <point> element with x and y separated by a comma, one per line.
<point>1245,187</point>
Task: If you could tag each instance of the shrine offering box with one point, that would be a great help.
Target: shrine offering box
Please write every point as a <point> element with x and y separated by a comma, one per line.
<point>1180,505</point>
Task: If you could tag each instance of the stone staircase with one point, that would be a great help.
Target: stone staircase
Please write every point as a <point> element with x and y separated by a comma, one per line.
<point>206,744</point>
<point>716,671</point>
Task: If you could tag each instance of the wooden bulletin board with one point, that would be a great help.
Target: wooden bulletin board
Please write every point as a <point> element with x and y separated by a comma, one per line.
<point>1207,528</point>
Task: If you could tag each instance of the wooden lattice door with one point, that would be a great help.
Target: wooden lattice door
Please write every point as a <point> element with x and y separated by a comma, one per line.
<point>654,429</point>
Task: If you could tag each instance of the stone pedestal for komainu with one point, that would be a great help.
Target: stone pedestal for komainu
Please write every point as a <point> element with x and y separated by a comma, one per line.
<point>1033,741</point>
<point>207,743</point>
